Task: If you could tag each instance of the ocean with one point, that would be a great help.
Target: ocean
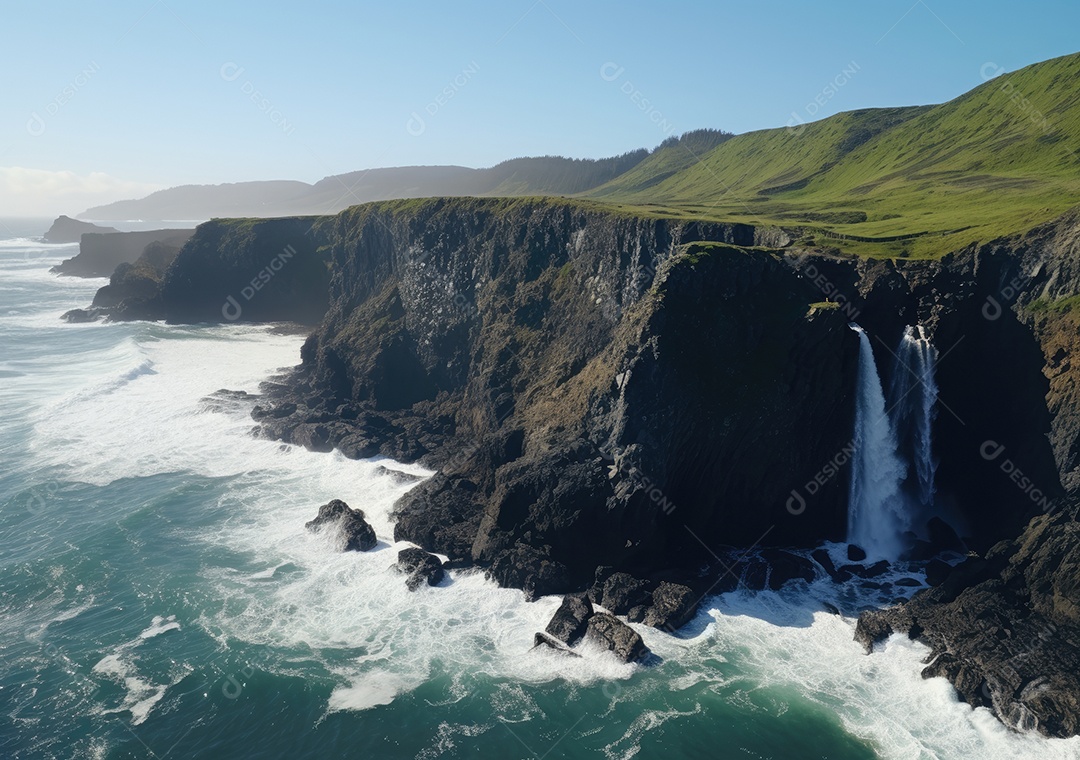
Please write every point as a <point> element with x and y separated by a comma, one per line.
<point>160,597</point>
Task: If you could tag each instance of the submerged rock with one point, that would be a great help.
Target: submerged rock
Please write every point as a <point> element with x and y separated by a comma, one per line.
<point>357,535</point>
<point>421,568</point>
<point>617,637</point>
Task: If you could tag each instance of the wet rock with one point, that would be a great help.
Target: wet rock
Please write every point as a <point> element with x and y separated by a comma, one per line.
<point>617,637</point>
<point>547,640</point>
<point>867,571</point>
<point>937,571</point>
<point>673,606</point>
<point>1004,629</point>
<point>785,567</point>
<point>855,553</point>
<point>356,534</point>
<point>81,316</point>
<point>529,569</point>
<point>571,620</point>
<point>397,475</point>
<point>421,567</point>
<point>621,592</point>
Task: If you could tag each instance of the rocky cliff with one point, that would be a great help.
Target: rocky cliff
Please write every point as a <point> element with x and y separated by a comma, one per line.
<point>609,395</point>
<point>68,230</point>
<point>596,388</point>
<point>604,390</point>
<point>254,270</point>
<point>100,253</point>
<point>1003,626</point>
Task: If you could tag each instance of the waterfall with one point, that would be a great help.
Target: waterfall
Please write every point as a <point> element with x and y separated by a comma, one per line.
<point>877,517</point>
<point>912,399</point>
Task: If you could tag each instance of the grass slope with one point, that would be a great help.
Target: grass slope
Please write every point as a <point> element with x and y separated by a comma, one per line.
<point>998,160</point>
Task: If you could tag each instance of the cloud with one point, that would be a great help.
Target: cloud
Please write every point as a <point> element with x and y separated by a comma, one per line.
<point>38,192</point>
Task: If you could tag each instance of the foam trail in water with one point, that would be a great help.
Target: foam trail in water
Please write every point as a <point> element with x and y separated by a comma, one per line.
<point>877,518</point>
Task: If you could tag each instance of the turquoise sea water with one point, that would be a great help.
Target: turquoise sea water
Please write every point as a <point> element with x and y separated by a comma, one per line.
<point>159,596</point>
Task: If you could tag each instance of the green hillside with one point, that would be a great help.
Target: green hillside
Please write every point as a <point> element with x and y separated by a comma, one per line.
<point>997,160</point>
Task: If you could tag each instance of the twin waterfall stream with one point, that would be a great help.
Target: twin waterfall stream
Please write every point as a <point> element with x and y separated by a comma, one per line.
<point>892,476</point>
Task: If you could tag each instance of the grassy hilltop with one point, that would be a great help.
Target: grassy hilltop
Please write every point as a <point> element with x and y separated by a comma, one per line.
<point>997,160</point>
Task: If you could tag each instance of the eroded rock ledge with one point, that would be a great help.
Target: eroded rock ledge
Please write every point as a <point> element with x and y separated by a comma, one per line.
<point>1005,629</point>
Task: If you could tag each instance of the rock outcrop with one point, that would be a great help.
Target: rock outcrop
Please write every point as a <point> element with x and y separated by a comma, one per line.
<point>420,567</point>
<point>354,532</point>
<point>571,620</point>
<point>610,633</point>
<point>248,270</point>
<point>68,230</point>
<point>100,254</point>
<point>1005,629</point>
<point>134,290</point>
<point>570,370</point>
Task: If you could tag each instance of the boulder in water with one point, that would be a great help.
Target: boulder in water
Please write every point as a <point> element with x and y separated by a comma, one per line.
<point>855,553</point>
<point>357,534</point>
<point>421,567</point>
<point>530,569</point>
<point>673,606</point>
<point>867,571</point>
<point>616,636</point>
<point>571,620</point>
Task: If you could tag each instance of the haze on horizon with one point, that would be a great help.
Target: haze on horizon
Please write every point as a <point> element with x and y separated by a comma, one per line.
<point>115,102</point>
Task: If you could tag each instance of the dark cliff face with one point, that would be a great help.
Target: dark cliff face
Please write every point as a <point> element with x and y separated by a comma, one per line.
<point>251,270</point>
<point>272,270</point>
<point>593,390</point>
<point>100,254</point>
<point>595,387</point>
<point>1004,627</point>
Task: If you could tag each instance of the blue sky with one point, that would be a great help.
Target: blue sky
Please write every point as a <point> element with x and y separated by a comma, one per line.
<point>109,100</point>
